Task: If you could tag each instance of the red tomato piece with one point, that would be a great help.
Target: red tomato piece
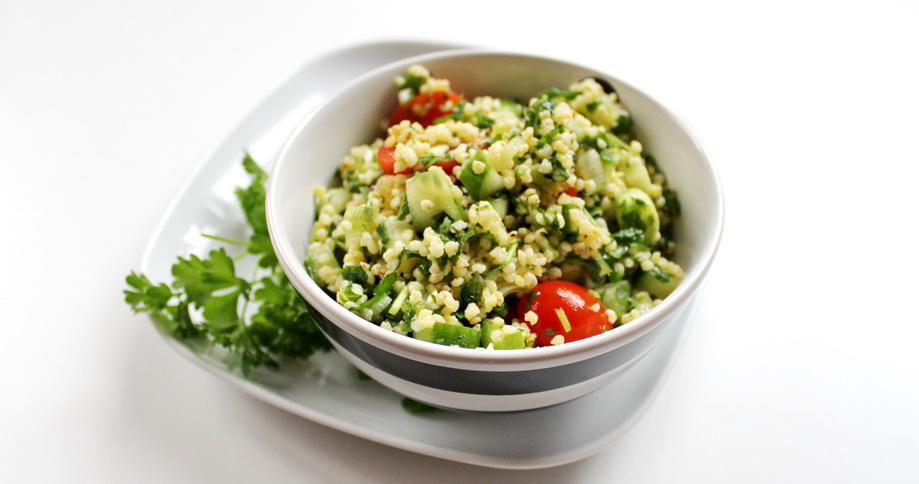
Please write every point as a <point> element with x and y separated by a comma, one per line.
<point>425,108</point>
<point>437,106</point>
<point>387,159</point>
<point>571,191</point>
<point>401,113</point>
<point>563,308</point>
<point>447,165</point>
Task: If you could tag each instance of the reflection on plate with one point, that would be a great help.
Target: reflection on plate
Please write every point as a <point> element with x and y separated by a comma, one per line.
<point>328,390</point>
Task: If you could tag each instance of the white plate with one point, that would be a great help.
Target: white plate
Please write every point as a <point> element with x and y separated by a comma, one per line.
<point>328,391</point>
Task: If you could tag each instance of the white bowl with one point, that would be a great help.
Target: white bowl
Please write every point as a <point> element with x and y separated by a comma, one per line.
<point>485,380</point>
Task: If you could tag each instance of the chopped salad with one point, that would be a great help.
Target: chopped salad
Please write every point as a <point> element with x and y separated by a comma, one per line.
<point>491,223</point>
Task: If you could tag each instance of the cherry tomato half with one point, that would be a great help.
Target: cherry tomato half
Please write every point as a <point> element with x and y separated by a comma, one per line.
<point>563,308</point>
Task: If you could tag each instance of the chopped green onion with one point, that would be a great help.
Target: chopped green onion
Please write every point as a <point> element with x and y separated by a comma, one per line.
<point>397,304</point>
<point>563,318</point>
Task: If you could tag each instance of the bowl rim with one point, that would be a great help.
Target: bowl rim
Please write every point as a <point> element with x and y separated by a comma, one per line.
<point>498,360</point>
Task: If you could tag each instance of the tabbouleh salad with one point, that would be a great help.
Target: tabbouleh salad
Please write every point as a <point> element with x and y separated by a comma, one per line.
<point>489,223</point>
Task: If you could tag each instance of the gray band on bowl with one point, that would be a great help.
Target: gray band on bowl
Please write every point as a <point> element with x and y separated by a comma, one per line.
<point>491,382</point>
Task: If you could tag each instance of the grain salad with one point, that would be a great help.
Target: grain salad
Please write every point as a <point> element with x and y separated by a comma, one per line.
<point>490,223</point>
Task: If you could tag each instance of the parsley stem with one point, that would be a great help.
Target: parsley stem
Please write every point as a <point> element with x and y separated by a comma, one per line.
<point>224,239</point>
<point>246,300</point>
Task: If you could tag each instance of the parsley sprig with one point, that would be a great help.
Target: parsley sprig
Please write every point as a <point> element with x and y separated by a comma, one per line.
<point>259,320</point>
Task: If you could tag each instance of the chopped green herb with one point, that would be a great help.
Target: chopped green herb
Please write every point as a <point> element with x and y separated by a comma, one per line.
<point>413,407</point>
<point>483,122</point>
<point>559,172</point>
<point>403,209</point>
<point>427,160</point>
<point>623,124</point>
<point>355,274</point>
<point>671,203</point>
<point>511,255</point>
<point>412,82</point>
<point>660,274</point>
<point>258,320</point>
<point>529,300</point>
<point>556,92</point>
<point>457,114</point>
<point>501,310</point>
<point>471,291</point>
<point>383,233</point>
<point>629,236</point>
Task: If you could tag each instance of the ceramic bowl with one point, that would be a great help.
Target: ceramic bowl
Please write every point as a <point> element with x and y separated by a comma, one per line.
<point>488,380</point>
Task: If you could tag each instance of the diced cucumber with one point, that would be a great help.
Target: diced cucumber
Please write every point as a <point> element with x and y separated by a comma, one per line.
<point>569,212</point>
<point>450,334</point>
<point>568,229</point>
<point>616,296</point>
<point>505,114</point>
<point>336,197</point>
<point>426,334</point>
<point>500,204</point>
<point>589,166</point>
<point>657,287</point>
<point>395,227</point>
<point>429,194</point>
<point>501,340</point>
<point>317,253</point>
<point>642,301</point>
<point>603,112</point>
<point>361,219</point>
<point>483,184</point>
<point>513,341</point>
<point>634,208</point>
<point>501,155</point>
<point>635,173</point>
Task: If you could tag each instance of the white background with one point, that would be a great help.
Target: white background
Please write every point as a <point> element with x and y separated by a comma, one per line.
<point>801,367</point>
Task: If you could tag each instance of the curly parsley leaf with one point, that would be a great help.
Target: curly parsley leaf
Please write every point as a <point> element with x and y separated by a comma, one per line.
<point>200,278</point>
<point>146,296</point>
<point>252,201</point>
